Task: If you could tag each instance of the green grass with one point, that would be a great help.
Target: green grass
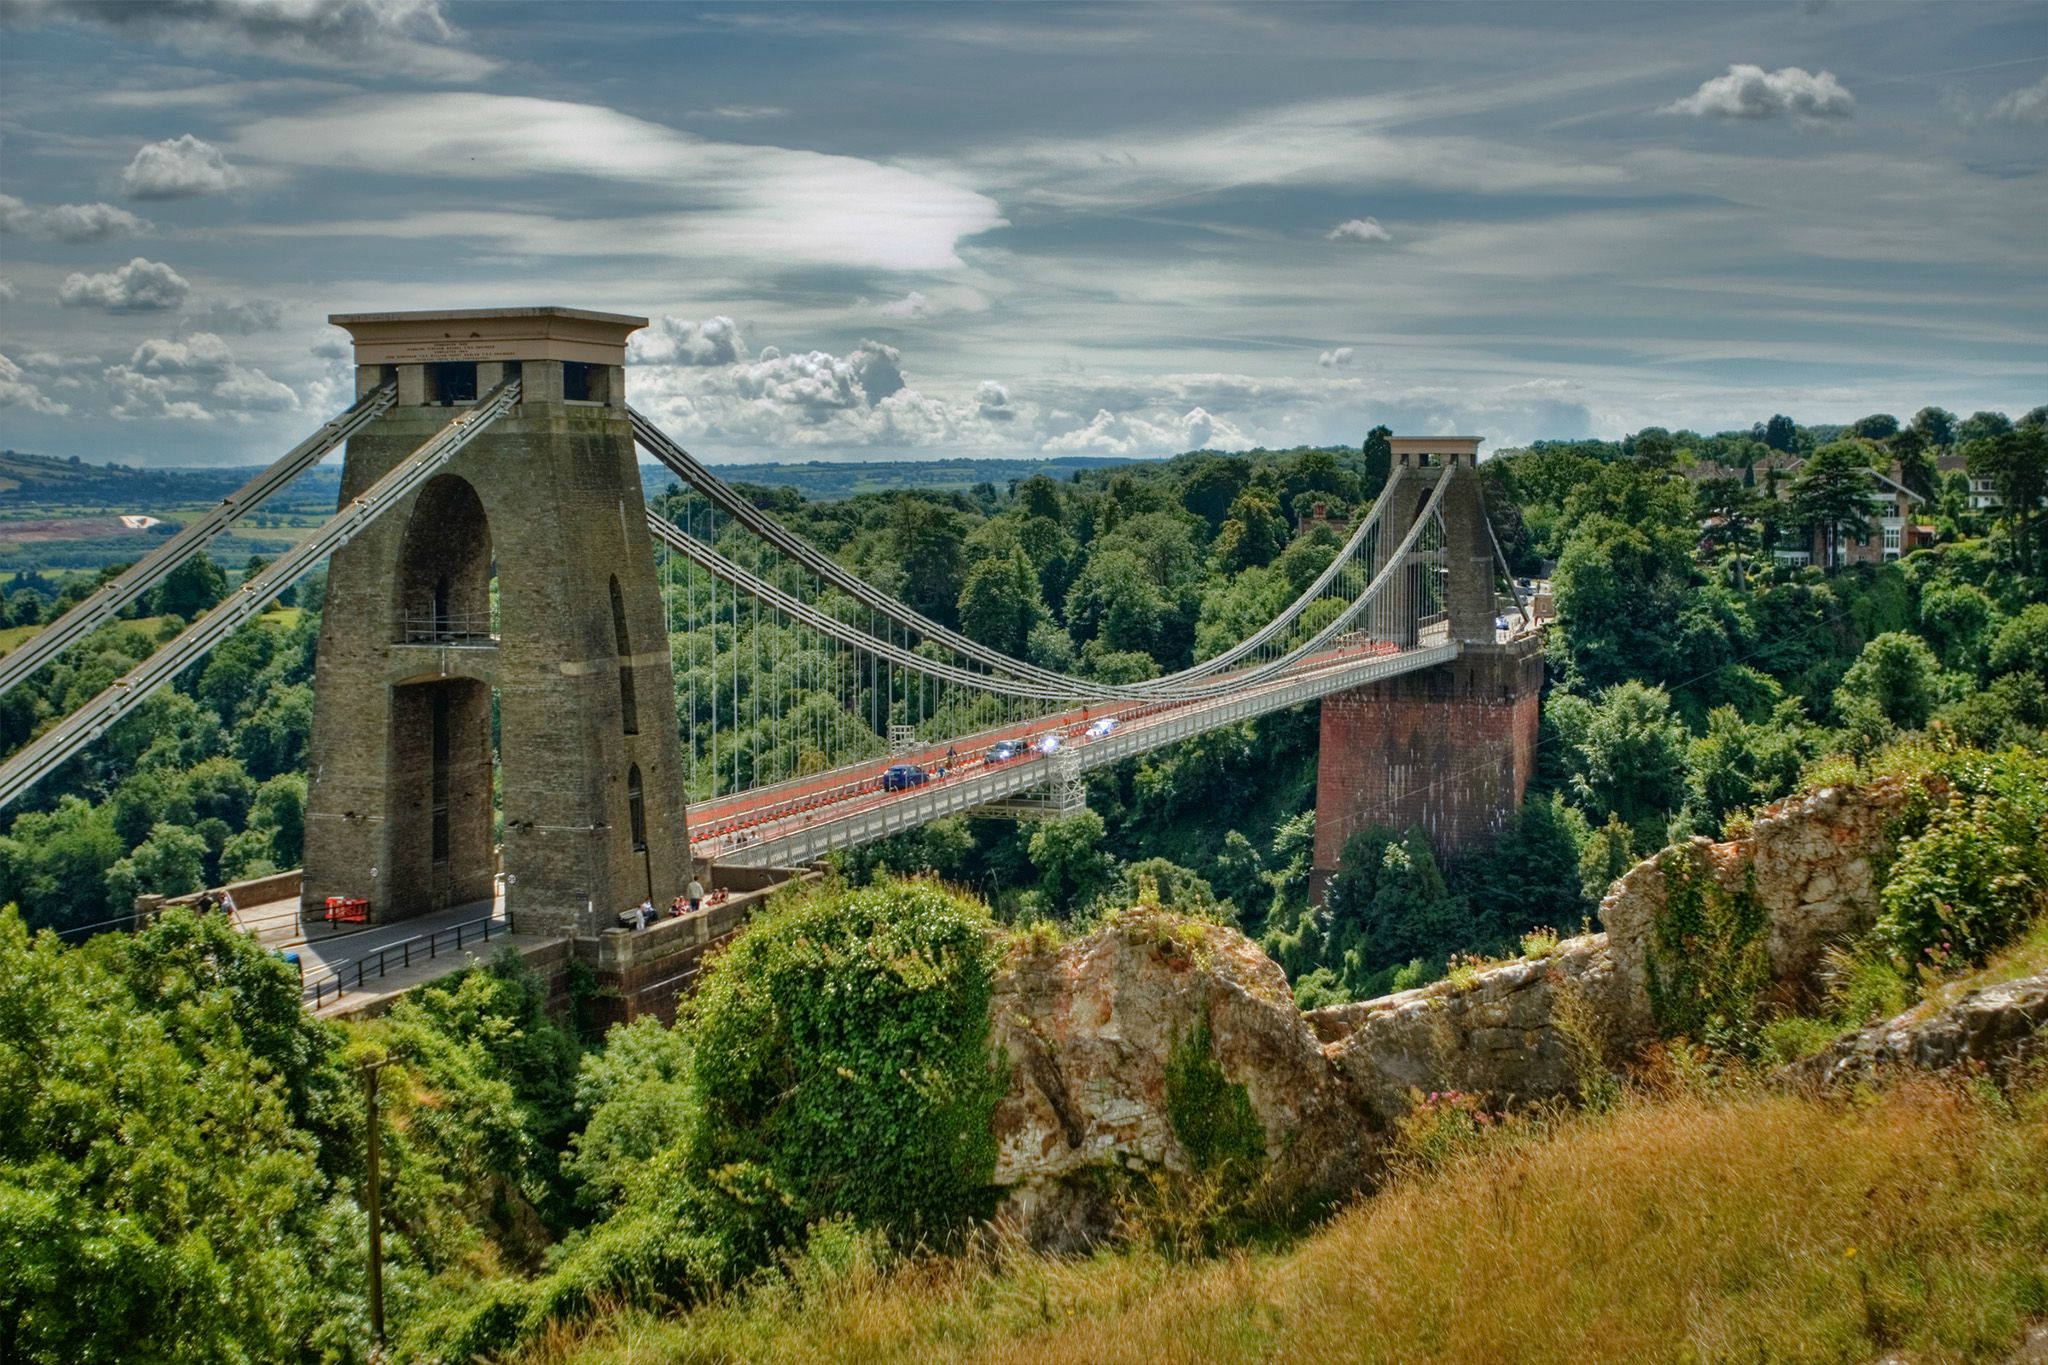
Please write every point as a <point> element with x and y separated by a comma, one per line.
<point>1751,1224</point>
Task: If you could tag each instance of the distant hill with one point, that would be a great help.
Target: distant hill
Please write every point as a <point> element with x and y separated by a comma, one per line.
<point>45,481</point>
<point>826,481</point>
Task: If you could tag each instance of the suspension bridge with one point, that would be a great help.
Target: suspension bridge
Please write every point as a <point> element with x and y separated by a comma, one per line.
<point>531,685</point>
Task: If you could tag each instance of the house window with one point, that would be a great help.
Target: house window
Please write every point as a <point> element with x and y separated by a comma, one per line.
<point>1892,539</point>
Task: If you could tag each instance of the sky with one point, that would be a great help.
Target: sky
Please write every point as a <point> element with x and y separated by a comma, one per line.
<point>877,231</point>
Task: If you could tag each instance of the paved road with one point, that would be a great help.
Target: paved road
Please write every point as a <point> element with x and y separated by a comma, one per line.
<point>731,823</point>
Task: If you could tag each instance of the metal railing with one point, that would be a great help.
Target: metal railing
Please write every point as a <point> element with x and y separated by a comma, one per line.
<point>424,947</point>
<point>461,631</point>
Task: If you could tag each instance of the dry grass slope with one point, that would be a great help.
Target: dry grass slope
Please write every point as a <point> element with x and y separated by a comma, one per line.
<point>1692,1226</point>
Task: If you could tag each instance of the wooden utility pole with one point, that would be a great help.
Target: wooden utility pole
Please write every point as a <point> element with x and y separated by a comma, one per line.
<point>374,1200</point>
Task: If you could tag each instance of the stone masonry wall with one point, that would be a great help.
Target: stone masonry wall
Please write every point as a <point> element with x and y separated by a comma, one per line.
<point>1449,750</point>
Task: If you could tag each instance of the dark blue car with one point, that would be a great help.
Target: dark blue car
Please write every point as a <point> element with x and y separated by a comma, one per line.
<point>902,775</point>
<point>1002,751</point>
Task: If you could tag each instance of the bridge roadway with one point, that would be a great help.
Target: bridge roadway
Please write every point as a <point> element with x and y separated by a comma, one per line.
<point>793,823</point>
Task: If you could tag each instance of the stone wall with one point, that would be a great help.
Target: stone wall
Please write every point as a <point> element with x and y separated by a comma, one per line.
<point>1448,750</point>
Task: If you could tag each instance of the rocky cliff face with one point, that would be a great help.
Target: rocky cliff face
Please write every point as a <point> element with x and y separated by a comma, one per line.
<point>1993,1026</point>
<point>1088,1027</point>
<point>1815,860</point>
<point>1518,1033</point>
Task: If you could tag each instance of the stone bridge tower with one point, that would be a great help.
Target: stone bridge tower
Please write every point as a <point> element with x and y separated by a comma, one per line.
<point>1447,750</point>
<point>509,612</point>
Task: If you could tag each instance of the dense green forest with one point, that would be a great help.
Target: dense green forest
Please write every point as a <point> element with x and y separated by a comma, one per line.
<point>173,1121</point>
<point>1691,678</point>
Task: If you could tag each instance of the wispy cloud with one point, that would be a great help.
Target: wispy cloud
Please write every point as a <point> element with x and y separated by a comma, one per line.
<point>763,203</point>
<point>69,222</point>
<point>2028,105</point>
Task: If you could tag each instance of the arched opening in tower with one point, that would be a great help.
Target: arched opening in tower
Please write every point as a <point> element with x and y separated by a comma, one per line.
<point>447,579</point>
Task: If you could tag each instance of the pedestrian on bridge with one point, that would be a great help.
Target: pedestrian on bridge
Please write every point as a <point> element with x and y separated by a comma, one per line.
<point>695,892</point>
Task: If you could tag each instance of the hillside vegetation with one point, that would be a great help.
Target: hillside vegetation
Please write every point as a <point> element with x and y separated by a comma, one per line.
<point>1699,1223</point>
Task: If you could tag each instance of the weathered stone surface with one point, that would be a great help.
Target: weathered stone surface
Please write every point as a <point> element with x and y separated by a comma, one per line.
<point>1992,1025</point>
<point>1815,860</point>
<point>1088,1030</point>
<point>1498,1036</point>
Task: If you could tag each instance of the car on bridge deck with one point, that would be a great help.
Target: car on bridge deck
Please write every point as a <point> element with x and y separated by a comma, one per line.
<point>1102,728</point>
<point>1047,744</point>
<point>902,776</point>
<point>1002,751</point>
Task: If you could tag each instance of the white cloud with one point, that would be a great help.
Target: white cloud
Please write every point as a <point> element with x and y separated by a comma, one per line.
<point>765,204</point>
<point>1359,230</point>
<point>140,286</point>
<point>992,402</point>
<point>178,168</point>
<point>911,305</point>
<point>1752,92</point>
<point>194,379</point>
<point>200,353</point>
<point>1115,433</point>
<point>243,317</point>
<point>334,344</point>
<point>810,399</point>
<point>678,341</point>
<point>18,391</point>
<point>69,222</point>
<point>2029,104</point>
<point>251,390</point>
<point>1330,359</point>
<point>7,290</point>
<point>404,37</point>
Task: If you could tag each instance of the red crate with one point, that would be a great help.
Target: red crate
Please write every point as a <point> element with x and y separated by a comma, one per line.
<point>347,910</point>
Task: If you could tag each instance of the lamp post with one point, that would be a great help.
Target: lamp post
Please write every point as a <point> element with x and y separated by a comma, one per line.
<point>374,1202</point>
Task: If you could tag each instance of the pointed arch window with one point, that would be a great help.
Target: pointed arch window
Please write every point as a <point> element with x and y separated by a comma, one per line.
<point>624,644</point>
<point>636,808</point>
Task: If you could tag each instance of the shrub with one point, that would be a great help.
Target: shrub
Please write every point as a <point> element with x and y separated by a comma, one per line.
<point>842,1045</point>
<point>1965,885</point>
<point>1710,957</point>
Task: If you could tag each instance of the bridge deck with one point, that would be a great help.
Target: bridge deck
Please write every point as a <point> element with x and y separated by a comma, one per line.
<point>799,822</point>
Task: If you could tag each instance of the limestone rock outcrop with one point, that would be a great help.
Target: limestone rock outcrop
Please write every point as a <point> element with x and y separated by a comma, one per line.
<point>1087,1030</point>
<point>1993,1026</point>
<point>1510,1034</point>
<point>1088,1027</point>
<point>1815,859</point>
